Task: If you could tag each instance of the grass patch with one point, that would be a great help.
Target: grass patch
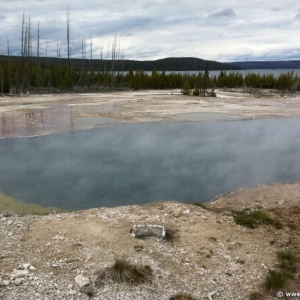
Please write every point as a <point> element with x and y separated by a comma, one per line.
<point>277,280</point>
<point>288,261</point>
<point>252,219</point>
<point>182,296</point>
<point>256,296</point>
<point>171,235</point>
<point>123,271</point>
<point>288,256</point>
<point>198,204</point>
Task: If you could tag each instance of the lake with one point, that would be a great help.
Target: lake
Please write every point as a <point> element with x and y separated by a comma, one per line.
<point>275,72</point>
<point>141,163</point>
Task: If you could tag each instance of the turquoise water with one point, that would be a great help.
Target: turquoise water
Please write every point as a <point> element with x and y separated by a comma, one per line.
<point>142,163</point>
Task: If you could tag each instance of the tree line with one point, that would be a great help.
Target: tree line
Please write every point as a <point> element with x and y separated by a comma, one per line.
<point>21,76</point>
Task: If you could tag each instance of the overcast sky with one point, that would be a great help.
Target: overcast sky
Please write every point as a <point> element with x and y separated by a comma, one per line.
<point>221,30</point>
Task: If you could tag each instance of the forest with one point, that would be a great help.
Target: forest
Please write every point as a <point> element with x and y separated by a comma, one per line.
<point>33,76</point>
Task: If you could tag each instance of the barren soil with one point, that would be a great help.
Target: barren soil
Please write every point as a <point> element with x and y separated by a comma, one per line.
<point>209,251</point>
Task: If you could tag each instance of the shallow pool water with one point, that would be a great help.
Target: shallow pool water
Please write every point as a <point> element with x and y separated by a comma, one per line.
<point>142,163</point>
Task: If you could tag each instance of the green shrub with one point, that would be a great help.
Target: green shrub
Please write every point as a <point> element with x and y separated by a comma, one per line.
<point>186,89</point>
<point>196,92</point>
<point>212,94</point>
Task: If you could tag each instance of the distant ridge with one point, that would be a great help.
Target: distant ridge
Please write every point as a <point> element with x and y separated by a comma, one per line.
<point>178,64</point>
<point>165,64</point>
<point>289,64</point>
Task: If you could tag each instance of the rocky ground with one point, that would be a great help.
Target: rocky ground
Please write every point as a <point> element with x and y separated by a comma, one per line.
<point>58,256</point>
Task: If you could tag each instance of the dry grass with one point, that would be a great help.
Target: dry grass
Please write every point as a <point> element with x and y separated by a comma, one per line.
<point>171,235</point>
<point>182,296</point>
<point>123,271</point>
<point>256,296</point>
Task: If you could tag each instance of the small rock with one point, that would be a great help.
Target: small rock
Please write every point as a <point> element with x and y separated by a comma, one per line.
<point>20,267</point>
<point>82,280</point>
<point>203,217</point>
<point>19,273</point>
<point>6,282</point>
<point>88,290</point>
<point>140,231</point>
<point>187,211</point>
<point>18,281</point>
<point>58,216</point>
<point>138,248</point>
<point>26,266</point>
<point>9,222</point>
<point>32,268</point>
<point>72,292</point>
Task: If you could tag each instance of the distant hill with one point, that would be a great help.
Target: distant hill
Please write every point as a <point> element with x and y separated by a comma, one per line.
<point>166,64</point>
<point>289,64</point>
<point>178,64</point>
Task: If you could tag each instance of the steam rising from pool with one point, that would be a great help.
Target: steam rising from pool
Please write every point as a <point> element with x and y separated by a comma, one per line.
<point>142,163</point>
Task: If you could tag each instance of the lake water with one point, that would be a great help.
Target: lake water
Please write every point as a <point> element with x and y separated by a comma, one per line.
<point>275,72</point>
<point>142,163</point>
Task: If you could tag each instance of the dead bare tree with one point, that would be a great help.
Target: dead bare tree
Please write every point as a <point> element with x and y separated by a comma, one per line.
<point>68,32</point>
<point>8,65</point>
<point>58,76</point>
<point>1,73</point>
<point>113,58</point>
<point>91,47</point>
<point>48,63</point>
<point>29,46</point>
<point>37,58</point>
<point>22,41</point>
<point>68,42</point>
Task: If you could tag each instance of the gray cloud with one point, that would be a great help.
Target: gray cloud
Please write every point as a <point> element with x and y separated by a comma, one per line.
<point>155,29</point>
<point>225,12</point>
<point>297,15</point>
